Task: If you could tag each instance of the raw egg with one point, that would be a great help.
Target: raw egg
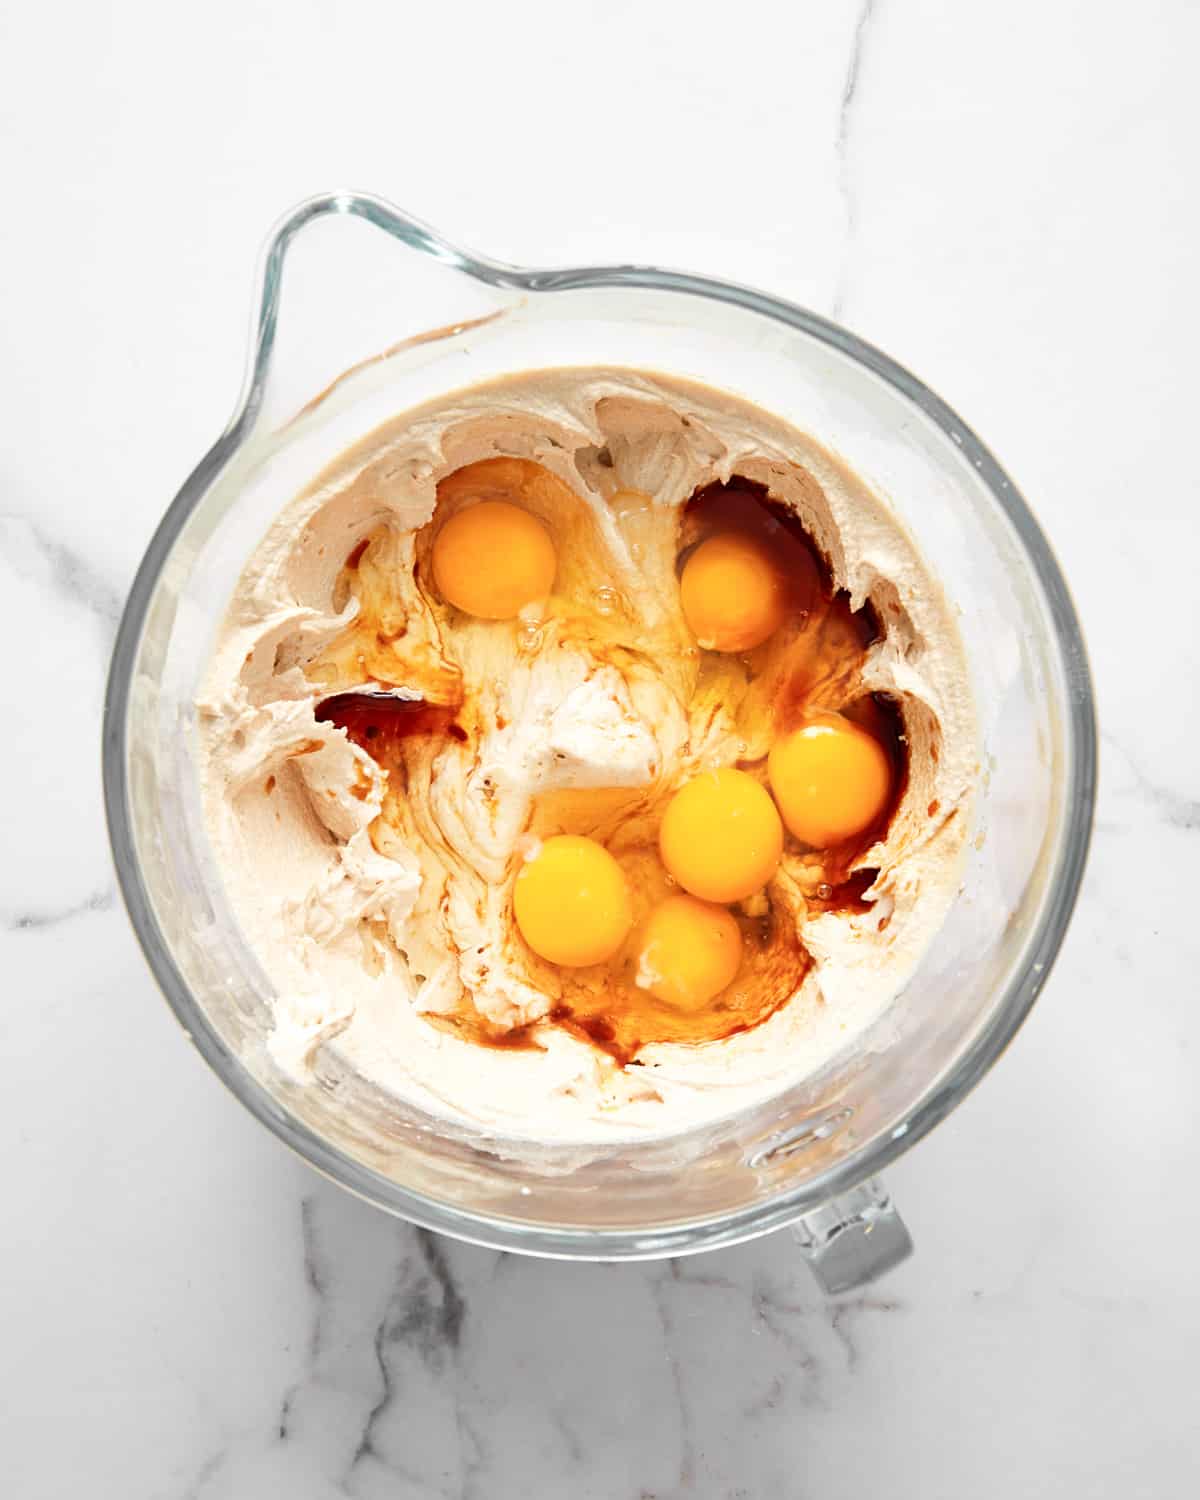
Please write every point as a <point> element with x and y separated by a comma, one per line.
<point>721,837</point>
<point>688,951</point>
<point>492,559</point>
<point>732,594</point>
<point>572,902</point>
<point>831,779</point>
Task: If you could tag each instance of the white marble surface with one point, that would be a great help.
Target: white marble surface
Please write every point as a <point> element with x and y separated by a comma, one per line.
<point>1002,195</point>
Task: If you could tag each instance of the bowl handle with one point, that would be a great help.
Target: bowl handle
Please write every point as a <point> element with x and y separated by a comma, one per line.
<point>331,297</point>
<point>853,1238</point>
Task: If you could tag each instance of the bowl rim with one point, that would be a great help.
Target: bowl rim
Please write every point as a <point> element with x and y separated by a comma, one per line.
<point>939,1099</point>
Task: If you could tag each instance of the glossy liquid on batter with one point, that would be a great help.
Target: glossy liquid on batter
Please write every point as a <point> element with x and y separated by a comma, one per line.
<point>812,662</point>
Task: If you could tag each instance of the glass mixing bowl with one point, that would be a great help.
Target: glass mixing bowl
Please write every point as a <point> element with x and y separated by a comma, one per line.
<point>333,290</point>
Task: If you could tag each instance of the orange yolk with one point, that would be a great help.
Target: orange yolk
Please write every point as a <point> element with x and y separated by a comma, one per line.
<point>831,780</point>
<point>572,902</point>
<point>721,837</point>
<point>732,594</point>
<point>688,952</point>
<point>492,559</point>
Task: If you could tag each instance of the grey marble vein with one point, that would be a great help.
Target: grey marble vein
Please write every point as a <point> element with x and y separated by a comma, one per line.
<point>783,1320</point>
<point>842,147</point>
<point>70,574</point>
<point>474,1453</point>
<point>366,1447</point>
<point>207,1470</point>
<point>1175,808</point>
<point>572,1442</point>
<point>42,918</point>
<point>316,1275</point>
<point>769,1400</point>
<point>659,1287</point>
<point>440,1326</point>
<point>844,1315</point>
<point>679,1271</point>
<point>424,1315</point>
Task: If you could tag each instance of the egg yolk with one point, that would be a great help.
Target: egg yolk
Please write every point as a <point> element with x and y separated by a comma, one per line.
<point>688,952</point>
<point>721,837</point>
<point>732,594</point>
<point>572,902</point>
<point>492,559</point>
<point>831,780</point>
